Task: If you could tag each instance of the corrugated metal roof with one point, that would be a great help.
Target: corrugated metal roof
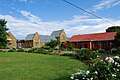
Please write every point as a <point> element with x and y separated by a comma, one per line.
<point>29,37</point>
<point>56,33</point>
<point>93,37</point>
<point>46,38</point>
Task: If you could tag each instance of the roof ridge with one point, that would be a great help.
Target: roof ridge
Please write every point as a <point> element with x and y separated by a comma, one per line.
<point>95,33</point>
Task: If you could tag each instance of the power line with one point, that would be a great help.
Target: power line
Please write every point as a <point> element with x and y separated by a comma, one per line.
<point>87,11</point>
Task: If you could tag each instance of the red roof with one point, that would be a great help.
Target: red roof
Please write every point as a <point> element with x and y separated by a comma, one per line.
<point>93,37</point>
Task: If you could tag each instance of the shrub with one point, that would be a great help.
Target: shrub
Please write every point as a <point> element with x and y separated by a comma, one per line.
<point>20,50</point>
<point>30,50</point>
<point>101,51</point>
<point>83,75</point>
<point>114,51</point>
<point>108,69</point>
<point>53,43</point>
<point>70,46</point>
<point>46,47</point>
<point>38,50</point>
<point>86,54</point>
<point>69,53</point>
<point>12,50</point>
<point>56,48</point>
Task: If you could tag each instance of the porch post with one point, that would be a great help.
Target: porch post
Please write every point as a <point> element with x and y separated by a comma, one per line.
<point>90,45</point>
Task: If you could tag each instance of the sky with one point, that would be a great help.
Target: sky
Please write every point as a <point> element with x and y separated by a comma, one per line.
<point>44,16</point>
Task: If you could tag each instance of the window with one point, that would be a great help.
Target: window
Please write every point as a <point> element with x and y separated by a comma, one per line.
<point>80,44</point>
<point>36,43</point>
<point>75,44</point>
<point>103,45</point>
<point>94,44</point>
<point>85,45</point>
<point>63,38</point>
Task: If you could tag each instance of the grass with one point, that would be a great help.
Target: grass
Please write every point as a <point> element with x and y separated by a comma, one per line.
<point>28,66</point>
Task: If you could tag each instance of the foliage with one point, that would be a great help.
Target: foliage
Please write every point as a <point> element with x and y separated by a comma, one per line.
<point>20,50</point>
<point>82,75</point>
<point>69,53</point>
<point>53,43</point>
<point>109,69</point>
<point>62,46</point>
<point>117,36</point>
<point>114,51</point>
<point>3,33</point>
<point>46,47</point>
<point>86,54</point>
<point>113,29</point>
<point>38,50</point>
<point>117,39</point>
<point>12,50</point>
<point>70,46</point>
<point>101,51</point>
<point>25,66</point>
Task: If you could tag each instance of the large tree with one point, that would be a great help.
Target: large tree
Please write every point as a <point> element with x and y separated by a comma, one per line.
<point>117,39</point>
<point>113,29</point>
<point>3,33</point>
<point>117,36</point>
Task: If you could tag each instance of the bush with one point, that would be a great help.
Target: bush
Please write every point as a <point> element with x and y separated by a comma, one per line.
<point>20,50</point>
<point>69,53</point>
<point>108,69</point>
<point>46,47</point>
<point>86,54</point>
<point>70,47</point>
<point>38,50</point>
<point>12,50</point>
<point>56,48</point>
<point>101,51</point>
<point>114,51</point>
<point>53,43</point>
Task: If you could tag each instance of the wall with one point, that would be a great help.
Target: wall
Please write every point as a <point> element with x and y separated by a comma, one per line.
<point>36,40</point>
<point>90,45</point>
<point>62,36</point>
<point>28,43</point>
<point>11,41</point>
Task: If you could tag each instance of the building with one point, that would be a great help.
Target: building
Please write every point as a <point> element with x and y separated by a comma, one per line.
<point>11,40</point>
<point>93,41</point>
<point>36,40</point>
<point>59,35</point>
<point>45,39</point>
<point>20,43</point>
<point>31,40</point>
<point>56,35</point>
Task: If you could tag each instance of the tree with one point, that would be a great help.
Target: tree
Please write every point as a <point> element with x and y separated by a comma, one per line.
<point>3,33</point>
<point>117,39</point>
<point>113,29</point>
<point>117,36</point>
<point>53,43</point>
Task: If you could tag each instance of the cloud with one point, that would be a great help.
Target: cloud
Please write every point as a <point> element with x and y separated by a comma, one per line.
<point>30,16</point>
<point>27,1</point>
<point>23,0</point>
<point>78,25</point>
<point>106,4</point>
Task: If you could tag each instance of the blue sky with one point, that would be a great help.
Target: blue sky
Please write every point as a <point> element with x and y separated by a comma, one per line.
<point>44,16</point>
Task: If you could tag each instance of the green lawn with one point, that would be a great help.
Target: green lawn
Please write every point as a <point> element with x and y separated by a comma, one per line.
<point>28,66</point>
